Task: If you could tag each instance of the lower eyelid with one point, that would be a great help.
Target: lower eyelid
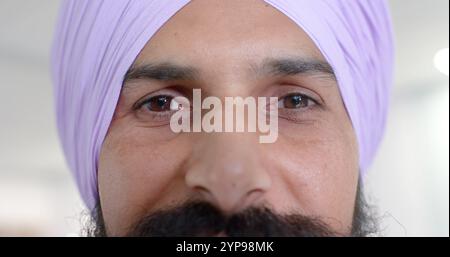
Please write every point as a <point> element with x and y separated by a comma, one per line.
<point>156,117</point>
<point>300,114</point>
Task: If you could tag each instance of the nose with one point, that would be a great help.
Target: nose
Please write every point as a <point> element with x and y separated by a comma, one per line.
<point>226,169</point>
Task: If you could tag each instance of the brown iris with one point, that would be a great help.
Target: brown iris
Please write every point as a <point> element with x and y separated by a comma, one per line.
<point>160,103</point>
<point>295,101</point>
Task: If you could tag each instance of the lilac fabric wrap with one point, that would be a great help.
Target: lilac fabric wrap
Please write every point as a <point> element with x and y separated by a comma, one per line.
<point>97,41</point>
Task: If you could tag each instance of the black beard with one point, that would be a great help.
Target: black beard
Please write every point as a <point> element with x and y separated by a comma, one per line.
<point>204,219</point>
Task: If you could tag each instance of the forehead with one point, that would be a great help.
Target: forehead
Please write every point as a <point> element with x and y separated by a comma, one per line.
<point>232,33</point>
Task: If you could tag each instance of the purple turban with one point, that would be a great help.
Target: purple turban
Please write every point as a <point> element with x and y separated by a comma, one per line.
<point>97,41</point>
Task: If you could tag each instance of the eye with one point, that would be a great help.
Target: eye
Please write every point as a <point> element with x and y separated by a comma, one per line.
<point>161,103</point>
<point>295,101</point>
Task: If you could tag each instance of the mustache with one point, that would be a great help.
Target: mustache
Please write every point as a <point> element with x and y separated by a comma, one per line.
<point>204,219</point>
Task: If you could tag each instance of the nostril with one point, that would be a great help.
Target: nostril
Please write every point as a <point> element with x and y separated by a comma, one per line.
<point>203,193</point>
<point>252,197</point>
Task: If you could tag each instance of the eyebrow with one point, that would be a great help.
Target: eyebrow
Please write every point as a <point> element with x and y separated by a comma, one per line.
<point>296,66</point>
<point>168,71</point>
<point>161,71</point>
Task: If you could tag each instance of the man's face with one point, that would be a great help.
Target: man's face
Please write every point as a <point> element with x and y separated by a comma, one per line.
<point>230,48</point>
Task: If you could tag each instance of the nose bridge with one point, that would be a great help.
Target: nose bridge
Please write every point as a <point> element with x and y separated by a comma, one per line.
<point>226,170</point>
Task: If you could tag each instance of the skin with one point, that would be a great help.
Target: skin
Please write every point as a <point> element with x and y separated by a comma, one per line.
<point>311,169</point>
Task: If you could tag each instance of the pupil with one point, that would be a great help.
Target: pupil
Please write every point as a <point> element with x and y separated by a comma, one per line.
<point>296,100</point>
<point>162,101</point>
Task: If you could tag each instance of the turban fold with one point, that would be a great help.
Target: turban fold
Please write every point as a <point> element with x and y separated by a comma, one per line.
<point>97,41</point>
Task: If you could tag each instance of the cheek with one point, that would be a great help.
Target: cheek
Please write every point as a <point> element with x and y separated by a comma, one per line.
<point>317,167</point>
<point>136,168</point>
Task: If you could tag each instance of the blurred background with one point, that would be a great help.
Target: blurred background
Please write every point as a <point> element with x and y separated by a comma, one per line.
<point>409,180</point>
